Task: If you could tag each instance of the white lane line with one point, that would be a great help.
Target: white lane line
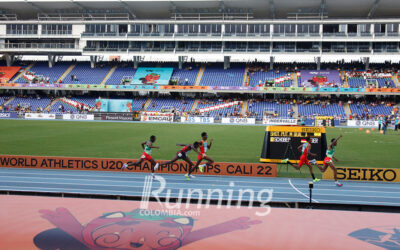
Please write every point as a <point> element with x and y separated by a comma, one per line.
<point>308,197</point>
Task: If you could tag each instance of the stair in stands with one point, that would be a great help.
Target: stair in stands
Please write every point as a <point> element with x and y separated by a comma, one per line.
<point>9,101</point>
<point>396,80</point>
<point>244,107</point>
<point>109,74</point>
<point>146,105</point>
<point>23,72</point>
<point>73,103</point>
<point>51,104</point>
<point>194,106</point>
<point>200,75</point>
<point>245,77</point>
<point>347,109</point>
<point>62,77</point>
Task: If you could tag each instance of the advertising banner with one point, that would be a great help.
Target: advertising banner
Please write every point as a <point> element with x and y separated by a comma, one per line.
<point>239,120</point>
<point>8,115</point>
<point>117,117</point>
<point>279,121</point>
<point>40,116</point>
<point>157,118</point>
<point>152,76</point>
<point>362,123</point>
<point>108,105</point>
<point>82,117</point>
<point>364,174</point>
<point>103,164</point>
<point>198,119</point>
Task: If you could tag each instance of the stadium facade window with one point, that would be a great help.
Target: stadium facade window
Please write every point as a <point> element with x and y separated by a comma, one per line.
<point>21,29</point>
<point>56,29</point>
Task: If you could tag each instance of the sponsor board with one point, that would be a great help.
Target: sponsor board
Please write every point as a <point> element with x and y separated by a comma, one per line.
<point>40,116</point>
<point>8,115</point>
<point>239,120</point>
<point>82,117</point>
<point>156,118</point>
<point>364,174</point>
<point>197,119</point>
<point>278,121</point>
<point>117,117</point>
<point>102,164</point>
<point>362,123</point>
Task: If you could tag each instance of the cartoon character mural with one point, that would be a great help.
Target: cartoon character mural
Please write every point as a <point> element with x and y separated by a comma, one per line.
<point>150,79</point>
<point>138,229</point>
<point>385,237</point>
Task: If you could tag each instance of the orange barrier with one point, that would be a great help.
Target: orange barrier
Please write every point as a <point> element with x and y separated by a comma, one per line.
<point>8,72</point>
<point>102,164</point>
<point>382,90</point>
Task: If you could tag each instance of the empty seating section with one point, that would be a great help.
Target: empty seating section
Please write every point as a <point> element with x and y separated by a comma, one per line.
<point>382,82</point>
<point>359,109</point>
<point>42,69</point>
<point>260,107</point>
<point>119,74</point>
<point>219,112</point>
<point>33,103</point>
<point>215,75</point>
<point>138,103</point>
<point>318,110</point>
<point>86,75</point>
<point>256,77</point>
<point>3,99</point>
<point>186,73</point>
<point>356,82</point>
<point>55,108</point>
<point>159,103</point>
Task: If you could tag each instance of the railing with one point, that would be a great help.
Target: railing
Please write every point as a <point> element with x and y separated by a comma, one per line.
<point>37,46</point>
<point>21,32</point>
<point>56,32</point>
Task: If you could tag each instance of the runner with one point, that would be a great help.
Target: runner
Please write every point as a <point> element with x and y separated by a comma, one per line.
<point>204,146</point>
<point>328,162</point>
<point>183,154</point>
<point>305,149</point>
<point>147,147</point>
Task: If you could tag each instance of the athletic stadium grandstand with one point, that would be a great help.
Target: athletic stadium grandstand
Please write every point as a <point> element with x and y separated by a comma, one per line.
<point>285,111</point>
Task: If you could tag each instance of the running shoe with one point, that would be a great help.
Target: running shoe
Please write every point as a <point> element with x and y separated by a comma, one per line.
<point>192,176</point>
<point>201,168</point>
<point>124,166</point>
<point>314,161</point>
<point>285,160</point>
<point>156,166</point>
<point>153,175</point>
<point>187,177</point>
<point>316,180</point>
<point>338,184</point>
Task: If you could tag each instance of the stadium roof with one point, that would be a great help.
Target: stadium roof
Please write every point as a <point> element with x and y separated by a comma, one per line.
<point>161,9</point>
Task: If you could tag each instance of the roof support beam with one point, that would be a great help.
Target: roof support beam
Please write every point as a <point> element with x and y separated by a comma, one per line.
<point>322,7</point>
<point>373,9</point>
<point>272,9</point>
<point>37,8</point>
<point>127,8</point>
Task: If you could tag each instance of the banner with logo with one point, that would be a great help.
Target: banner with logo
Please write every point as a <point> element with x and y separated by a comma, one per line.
<point>40,116</point>
<point>279,121</point>
<point>8,115</point>
<point>364,174</point>
<point>82,117</point>
<point>108,105</point>
<point>197,119</point>
<point>117,117</point>
<point>152,76</point>
<point>363,123</point>
<point>157,118</point>
<point>238,120</point>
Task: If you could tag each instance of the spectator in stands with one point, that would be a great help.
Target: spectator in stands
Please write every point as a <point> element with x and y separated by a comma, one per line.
<point>186,81</point>
<point>72,77</point>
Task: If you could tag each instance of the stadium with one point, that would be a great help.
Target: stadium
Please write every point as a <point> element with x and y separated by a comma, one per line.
<point>179,124</point>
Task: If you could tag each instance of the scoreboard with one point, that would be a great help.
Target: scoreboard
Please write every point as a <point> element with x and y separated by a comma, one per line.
<point>281,142</point>
<point>325,121</point>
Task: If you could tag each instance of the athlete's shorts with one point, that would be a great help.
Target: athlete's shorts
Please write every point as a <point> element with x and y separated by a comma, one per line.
<point>327,160</point>
<point>200,157</point>
<point>303,160</point>
<point>146,156</point>
<point>181,155</point>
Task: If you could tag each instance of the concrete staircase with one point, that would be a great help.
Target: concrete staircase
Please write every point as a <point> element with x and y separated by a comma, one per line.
<point>23,72</point>
<point>109,74</point>
<point>347,109</point>
<point>396,80</point>
<point>50,105</point>
<point>62,77</point>
<point>295,80</point>
<point>147,104</point>
<point>296,110</point>
<point>245,104</point>
<point>200,75</point>
<point>7,102</point>
<point>194,106</point>
<point>245,77</point>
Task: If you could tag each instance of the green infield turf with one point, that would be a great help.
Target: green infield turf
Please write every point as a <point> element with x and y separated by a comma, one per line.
<point>231,143</point>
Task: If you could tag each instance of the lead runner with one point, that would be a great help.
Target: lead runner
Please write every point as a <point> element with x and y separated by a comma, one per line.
<point>328,162</point>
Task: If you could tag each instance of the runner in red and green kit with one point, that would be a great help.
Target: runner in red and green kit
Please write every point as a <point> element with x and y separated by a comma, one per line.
<point>146,155</point>
<point>204,146</point>
<point>328,161</point>
<point>305,150</point>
